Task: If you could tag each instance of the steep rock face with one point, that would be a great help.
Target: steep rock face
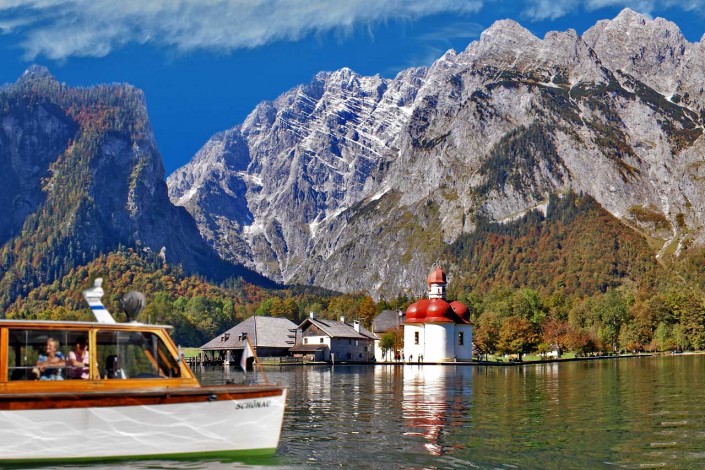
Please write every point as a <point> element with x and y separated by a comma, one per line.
<point>81,175</point>
<point>355,182</point>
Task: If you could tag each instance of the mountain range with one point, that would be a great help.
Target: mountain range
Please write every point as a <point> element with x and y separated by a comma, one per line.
<point>512,161</point>
<point>353,182</point>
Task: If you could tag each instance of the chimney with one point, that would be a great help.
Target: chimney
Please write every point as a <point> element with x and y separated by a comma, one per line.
<point>356,326</point>
<point>342,319</point>
<point>312,315</point>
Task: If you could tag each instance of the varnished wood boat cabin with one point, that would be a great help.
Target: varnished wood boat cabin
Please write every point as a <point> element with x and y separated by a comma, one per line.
<point>121,390</point>
<point>111,356</point>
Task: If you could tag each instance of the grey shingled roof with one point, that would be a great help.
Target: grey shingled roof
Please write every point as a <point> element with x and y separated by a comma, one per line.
<point>338,329</point>
<point>387,320</point>
<point>263,332</point>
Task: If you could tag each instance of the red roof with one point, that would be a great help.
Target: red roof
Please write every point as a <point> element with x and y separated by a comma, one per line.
<point>437,311</point>
<point>437,276</point>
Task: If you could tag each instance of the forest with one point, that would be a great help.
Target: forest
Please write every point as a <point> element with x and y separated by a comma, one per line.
<point>574,278</point>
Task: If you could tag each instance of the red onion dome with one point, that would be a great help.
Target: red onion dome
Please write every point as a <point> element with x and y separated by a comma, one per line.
<point>460,310</point>
<point>439,311</point>
<point>416,312</point>
<point>437,276</point>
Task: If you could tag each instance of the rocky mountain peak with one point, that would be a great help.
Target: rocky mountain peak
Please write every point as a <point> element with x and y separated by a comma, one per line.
<point>653,49</point>
<point>506,40</point>
<point>352,182</point>
<point>35,72</point>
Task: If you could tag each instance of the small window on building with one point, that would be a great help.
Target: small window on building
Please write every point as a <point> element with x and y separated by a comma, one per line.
<point>461,338</point>
<point>321,340</point>
<point>349,341</point>
<point>416,337</point>
<point>305,340</point>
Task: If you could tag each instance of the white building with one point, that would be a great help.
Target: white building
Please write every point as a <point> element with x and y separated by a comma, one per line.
<point>435,330</point>
<point>343,341</point>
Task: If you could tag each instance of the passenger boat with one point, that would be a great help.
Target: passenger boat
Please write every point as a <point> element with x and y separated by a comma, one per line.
<point>124,393</point>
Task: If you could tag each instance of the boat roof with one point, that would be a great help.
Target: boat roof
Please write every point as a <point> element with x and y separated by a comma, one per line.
<point>69,323</point>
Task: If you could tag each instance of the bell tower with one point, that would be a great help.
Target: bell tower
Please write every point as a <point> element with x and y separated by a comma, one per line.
<point>437,284</point>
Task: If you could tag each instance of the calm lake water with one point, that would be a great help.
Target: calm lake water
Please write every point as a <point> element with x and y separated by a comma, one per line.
<point>626,413</point>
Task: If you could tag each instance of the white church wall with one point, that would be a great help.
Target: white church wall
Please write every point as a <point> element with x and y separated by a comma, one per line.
<point>463,352</point>
<point>414,339</point>
<point>439,342</point>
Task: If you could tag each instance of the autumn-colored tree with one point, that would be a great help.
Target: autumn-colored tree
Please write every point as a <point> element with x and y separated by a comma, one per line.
<point>555,332</point>
<point>486,334</point>
<point>390,342</point>
<point>366,311</point>
<point>517,335</point>
<point>582,341</point>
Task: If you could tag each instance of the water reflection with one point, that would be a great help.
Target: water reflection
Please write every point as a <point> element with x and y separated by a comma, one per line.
<point>430,403</point>
<point>624,413</point>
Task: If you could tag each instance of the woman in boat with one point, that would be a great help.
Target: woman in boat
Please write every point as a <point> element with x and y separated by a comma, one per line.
<point>78,360</point>
<point>112,368</point>
<point>49,365</point>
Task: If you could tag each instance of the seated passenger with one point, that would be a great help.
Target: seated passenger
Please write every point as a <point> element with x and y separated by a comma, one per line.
<point>78,360</point>
<point>112,369</point>
<point>49,365</point>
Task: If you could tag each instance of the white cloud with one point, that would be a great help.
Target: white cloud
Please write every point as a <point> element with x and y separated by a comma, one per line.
<point>538,10</point>
<point>58,29</point>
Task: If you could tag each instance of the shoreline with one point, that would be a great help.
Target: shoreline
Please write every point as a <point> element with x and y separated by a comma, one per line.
<point>473,363</point>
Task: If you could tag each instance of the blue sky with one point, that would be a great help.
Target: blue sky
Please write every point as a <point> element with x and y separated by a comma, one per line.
<point>205,64</point>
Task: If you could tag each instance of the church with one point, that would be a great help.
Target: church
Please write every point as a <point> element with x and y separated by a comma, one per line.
<point>435,330</point>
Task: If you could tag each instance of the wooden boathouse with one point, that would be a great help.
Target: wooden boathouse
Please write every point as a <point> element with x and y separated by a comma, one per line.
<point>270,337</point>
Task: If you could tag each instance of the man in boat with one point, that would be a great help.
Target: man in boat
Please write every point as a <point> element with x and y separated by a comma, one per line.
<point>49,365</point>
<point>78,360</point>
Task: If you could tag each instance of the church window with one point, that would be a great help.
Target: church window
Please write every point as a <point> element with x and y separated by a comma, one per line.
<point>461,338</point>
<point>416,337</point>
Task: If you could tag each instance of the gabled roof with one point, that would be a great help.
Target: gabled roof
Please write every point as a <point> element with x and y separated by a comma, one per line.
<point>387,320</point>
<point>263,332</point>
<point>338,329</point>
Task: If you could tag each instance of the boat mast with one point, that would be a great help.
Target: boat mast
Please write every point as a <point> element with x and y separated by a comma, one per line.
<point>93,296</point>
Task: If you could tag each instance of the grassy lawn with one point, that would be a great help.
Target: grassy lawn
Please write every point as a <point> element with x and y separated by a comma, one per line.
<point>190,352</point>
<point>528,357</point>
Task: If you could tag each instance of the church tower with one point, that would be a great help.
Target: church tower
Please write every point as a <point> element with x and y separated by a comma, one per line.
<point>437,284</point>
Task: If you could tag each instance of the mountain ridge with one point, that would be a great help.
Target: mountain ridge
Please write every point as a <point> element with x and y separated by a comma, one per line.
<point>491,132</point>
<point>82,176</point>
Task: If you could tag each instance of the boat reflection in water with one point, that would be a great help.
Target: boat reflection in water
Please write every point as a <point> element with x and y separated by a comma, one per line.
<point>431,404</point>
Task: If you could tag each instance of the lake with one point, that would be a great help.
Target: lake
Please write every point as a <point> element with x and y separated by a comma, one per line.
<point>626,413</point>
<point>612,413</point>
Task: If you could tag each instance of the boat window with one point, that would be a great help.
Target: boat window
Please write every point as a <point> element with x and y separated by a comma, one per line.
<point>134,355</point>
<point>28,355</point>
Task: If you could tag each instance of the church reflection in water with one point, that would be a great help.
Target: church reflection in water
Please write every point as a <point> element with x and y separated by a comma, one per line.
<point>435,398</point>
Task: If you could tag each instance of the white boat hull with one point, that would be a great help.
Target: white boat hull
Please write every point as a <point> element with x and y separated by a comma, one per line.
<point>249,426</point>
